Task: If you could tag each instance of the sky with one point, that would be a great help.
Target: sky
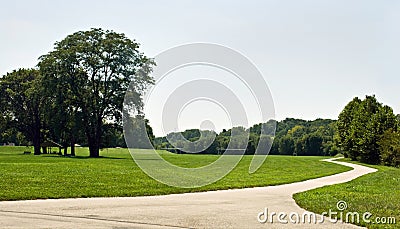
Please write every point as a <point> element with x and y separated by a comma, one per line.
<point>314,55</point>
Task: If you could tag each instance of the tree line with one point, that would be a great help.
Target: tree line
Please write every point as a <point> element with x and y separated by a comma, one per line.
<point>75,93</point>
<point>292,137</point>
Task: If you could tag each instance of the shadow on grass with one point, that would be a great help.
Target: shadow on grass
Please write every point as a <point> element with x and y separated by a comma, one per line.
<point>84,157</point>
<point>100,157</point>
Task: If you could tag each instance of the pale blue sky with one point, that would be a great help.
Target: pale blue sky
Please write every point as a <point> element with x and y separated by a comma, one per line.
<point>315,55</point>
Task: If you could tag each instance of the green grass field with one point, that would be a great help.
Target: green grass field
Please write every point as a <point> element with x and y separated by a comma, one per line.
<point>116,174</point>
<point>377,193</point>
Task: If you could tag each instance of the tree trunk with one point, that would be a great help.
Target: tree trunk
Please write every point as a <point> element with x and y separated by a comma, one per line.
<point>65,151</point>
<point>36,134</point>
<point>72,145</point>
<point>94,146</point>
<point>93,134</point>
<point>36,141</point>
<point>94,150</point>
<point>36,147</point>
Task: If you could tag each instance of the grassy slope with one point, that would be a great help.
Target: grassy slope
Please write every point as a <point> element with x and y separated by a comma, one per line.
<point>51,176</point>
<point>377,193</point>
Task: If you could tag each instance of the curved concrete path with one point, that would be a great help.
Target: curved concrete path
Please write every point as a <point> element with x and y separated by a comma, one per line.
<point>215,209</point>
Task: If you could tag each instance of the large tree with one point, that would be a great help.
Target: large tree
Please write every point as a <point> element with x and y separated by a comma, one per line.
<point>345,131</point>
<point>93,69</point>
<point>361,126</point>
<point>22,103</point>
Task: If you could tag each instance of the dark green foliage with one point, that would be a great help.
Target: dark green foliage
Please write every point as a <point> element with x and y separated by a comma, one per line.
<point>293,137</point>
<point>138,133</point>
<point>311,144</point>
<point>361,126</point>
<point>113,136</point>
<point>192,134</point>
<point>389,146</point>
<point>77,93</point>
<point>89,72</point>
<point>286,145</point>
<point>300,137</point>
<point>22,106</point>
<point>192,140</point>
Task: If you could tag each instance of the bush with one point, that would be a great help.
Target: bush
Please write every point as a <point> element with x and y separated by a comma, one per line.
<point>389,146</point>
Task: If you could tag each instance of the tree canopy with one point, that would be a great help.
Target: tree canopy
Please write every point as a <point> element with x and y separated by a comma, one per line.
<point>90,71</point>
<point>22,104</point>
<point>362,126</point>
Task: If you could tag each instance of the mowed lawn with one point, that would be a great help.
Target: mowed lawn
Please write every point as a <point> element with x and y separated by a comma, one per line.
<point>377,193</point>
<point>116,174</point>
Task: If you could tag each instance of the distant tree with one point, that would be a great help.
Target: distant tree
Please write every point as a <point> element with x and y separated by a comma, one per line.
<point>262,144</point>
<point>113,136</point>
<point>21,93</point>
<point>297,131</point>
<point>206,143</point>
<point>286,145</point>
<point>94,69</point>
<point>329,148</point>
<point>223,140</point>
<point>239,138</point>
<point>191,134</point>
<point>312,144</point>
<point>139,133</point>
<point>252,143</point>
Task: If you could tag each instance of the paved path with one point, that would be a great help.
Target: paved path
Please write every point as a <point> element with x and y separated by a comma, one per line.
<point>216,209</point>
